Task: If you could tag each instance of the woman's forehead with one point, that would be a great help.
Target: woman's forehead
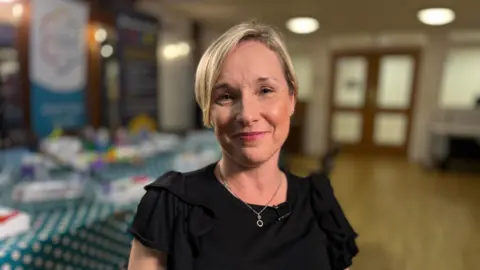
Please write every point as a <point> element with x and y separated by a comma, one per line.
<point>254,60</point>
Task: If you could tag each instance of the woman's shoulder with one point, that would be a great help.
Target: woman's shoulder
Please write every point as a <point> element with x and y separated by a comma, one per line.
<point>317,181</point>
<point>317,186</point>
<point>168,202</point>
<point>190,187</point>
<point>333,221</point>
<point>330,217</point>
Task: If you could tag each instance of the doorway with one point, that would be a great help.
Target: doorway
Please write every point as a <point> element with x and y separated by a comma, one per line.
<point>371,100</point>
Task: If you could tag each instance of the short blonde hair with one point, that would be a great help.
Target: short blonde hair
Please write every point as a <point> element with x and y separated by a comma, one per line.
<point>211,63</point>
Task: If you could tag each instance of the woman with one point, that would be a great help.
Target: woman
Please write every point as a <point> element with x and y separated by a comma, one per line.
<point>243,212</point>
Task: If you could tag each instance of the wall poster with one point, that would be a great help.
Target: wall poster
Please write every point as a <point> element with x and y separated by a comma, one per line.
<point>137,56</point>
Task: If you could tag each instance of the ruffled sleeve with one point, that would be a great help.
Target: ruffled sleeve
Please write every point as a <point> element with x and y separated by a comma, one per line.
<point>331,218</point>
<point>171,220</point>
<point>154,222</point>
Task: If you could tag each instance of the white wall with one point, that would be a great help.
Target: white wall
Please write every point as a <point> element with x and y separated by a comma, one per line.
<point>176,84</point>
<point>430,75</point>
<point>207,37</point>
<point>303,65</point>
<point>315,133</point>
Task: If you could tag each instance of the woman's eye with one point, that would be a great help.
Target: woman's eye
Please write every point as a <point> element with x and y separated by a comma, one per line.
<point>224,97</point>
<point>266,90</point>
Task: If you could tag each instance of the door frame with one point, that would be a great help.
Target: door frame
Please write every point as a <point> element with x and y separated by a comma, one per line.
<point>373,56</point>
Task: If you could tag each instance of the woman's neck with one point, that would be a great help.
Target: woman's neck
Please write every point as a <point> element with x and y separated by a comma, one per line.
<point>261,179</point>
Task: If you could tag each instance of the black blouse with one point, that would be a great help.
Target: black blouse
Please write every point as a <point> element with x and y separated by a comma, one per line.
<point>200,225</point>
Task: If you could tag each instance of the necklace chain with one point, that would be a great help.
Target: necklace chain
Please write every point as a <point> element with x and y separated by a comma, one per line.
<point>259,213</point>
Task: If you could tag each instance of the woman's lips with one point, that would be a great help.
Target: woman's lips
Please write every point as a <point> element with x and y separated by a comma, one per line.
<point>250,136</point>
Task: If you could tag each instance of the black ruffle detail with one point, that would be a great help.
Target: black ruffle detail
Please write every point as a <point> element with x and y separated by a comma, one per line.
<point>331,218</point>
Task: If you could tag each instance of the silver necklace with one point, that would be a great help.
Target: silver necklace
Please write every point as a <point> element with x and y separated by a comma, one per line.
<point>259,213</point>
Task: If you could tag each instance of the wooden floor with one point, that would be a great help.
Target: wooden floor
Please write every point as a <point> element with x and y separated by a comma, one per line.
<point>407,217</point>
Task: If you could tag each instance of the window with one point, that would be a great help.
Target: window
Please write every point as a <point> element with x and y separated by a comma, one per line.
<point>460,88</point>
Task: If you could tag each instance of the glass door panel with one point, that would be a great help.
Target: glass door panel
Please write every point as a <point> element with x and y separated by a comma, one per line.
<point>350,81</point>
<point>347,127</point>
<point>390,129</point>
<point>395,81</point>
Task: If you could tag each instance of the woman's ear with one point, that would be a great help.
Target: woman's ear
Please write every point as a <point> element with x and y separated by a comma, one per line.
<point>293,102</point>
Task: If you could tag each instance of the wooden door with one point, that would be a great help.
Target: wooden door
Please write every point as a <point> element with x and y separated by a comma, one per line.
<point>293,143</point>
<point>372,96</point>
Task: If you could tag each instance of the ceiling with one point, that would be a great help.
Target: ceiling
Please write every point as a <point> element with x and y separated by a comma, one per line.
<point>340,16</point>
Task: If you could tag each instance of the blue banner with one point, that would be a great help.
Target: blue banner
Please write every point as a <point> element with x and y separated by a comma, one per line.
<point>58,65</point>
<point>56,110</point>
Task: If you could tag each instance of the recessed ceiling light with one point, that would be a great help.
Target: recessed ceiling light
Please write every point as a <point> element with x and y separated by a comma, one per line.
<point>436,16</point>
<point>302,25</point>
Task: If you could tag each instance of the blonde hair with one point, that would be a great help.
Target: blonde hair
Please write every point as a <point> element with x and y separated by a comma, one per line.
<point>211,63</point>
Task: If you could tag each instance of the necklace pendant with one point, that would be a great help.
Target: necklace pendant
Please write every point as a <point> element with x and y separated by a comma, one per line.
<point>259,221</point>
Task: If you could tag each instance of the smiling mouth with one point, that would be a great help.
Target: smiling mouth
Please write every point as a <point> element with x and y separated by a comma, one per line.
<point>250,136</point>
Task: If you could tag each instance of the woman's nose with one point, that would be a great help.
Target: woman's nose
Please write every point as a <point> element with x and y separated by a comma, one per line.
<point>248,111</point>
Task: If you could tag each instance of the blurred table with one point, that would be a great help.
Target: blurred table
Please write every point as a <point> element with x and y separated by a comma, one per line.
<point>81,235</point>
<point>90,236</point>
<point>454,134</point>
<point>84,235</point>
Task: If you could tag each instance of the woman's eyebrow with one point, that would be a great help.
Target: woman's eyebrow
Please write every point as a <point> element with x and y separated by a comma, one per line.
<point>226,86</point>
<point>266,79</point>
<point>221,86</point>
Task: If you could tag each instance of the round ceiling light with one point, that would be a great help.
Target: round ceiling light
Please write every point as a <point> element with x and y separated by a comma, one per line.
<point>302,25</point>
<point>436,16</point>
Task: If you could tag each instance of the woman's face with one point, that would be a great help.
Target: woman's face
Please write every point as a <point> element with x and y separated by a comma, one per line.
<point>251,104</point>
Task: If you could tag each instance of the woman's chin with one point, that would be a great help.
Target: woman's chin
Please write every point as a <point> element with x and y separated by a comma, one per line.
<point>253,157</point>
